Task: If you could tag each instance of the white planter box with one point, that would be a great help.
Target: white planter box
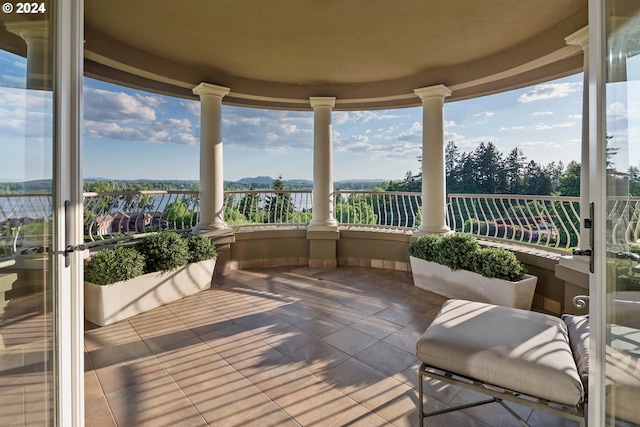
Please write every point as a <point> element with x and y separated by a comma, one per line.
<point>463,284</point>
<point>104,305</point>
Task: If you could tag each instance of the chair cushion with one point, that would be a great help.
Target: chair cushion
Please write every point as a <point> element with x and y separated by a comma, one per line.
<point>578,330</point>
<point>516,349</point>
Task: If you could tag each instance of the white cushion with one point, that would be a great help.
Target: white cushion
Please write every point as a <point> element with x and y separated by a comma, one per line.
<point>516,349</point>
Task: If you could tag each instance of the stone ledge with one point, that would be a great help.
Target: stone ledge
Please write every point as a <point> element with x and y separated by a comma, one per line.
<point>268,262</point>
<point>374,263</point>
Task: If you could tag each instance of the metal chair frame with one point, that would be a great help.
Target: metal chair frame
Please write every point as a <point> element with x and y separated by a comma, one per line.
<point>498,395</point>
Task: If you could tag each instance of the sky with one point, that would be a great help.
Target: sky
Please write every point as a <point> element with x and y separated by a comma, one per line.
<point>544,121</point>
<point>130,134</point>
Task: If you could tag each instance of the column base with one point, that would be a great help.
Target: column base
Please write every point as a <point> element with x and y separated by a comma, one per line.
<point>222,239</point>
<point>212,230</point>
<point>432,230</point>
<point>323,247</point>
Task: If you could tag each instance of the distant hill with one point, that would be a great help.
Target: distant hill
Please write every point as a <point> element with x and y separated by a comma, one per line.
<point>98,184</point>
<point>256,180</point>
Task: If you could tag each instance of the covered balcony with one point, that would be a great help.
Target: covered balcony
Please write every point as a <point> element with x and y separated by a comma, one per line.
<point>312,317</point>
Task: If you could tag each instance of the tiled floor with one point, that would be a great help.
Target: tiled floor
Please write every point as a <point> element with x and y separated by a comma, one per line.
<point>277,347</point>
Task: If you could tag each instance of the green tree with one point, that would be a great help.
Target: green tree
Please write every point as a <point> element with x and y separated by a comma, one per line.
<point>634,181</point>
<point>278,206</point>
<point>356,210</point>
<point>453,162</point>
<point>178,215</point>
<point>514,171</point>
<point>570,180</point>
<point>489,175</point>
<point>249,207</point>
<point>536,181</point>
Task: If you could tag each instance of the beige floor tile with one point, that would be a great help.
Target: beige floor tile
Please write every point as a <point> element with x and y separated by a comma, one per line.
<point>350,341</point>
<point>285,346</point>
<point>316,403</point>
<point>318,357</point>
<point>157,402</point>
<point>130,373</point>
<point>269,415</point>
<point>387,358</point>
<point>98,413</point>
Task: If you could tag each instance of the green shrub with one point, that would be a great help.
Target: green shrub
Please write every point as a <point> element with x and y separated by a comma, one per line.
<point>456,250</point>
<point>498,263</point>
<point>200,248</point>
<point>424,247</point>
<point>163,251</point>
<point>114,265</point>
<point>462,251</point>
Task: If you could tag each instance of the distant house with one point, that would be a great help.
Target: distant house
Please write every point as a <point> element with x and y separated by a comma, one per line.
<point>104,224</point>
<point>126,223</point>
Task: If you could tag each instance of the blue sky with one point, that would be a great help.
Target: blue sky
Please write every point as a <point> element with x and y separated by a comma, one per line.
<point>544,121</point>
<point>131,134</point>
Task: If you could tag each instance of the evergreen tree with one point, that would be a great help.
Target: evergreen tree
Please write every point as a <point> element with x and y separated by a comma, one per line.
<point>537,181</point>
<point>278,206</point>
<point>453,160</point>
<point>570,180</point>
<point>514,171</point>
<point>489,175</point>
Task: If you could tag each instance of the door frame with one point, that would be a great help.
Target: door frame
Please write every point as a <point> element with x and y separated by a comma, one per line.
<point>68,27</point>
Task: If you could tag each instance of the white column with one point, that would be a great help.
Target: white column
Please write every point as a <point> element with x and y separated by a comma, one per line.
<point>211,166</point>
<point>434,215</point>
<point>36,36</point>
<point>323,217</point>
<point>581,38</point>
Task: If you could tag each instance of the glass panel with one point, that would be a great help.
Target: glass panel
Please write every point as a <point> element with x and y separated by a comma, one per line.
<point>623,203</point>
<point>27,291</point>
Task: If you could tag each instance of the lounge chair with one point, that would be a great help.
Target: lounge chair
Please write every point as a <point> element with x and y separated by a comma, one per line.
<point>529,358</point>
<point>508,354</point>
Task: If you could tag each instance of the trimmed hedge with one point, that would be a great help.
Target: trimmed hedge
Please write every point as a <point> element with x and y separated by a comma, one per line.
<point>462,251</point>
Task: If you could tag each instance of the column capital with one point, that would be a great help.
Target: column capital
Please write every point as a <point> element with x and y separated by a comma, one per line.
<point>322,101</point>
<point>209,89</point>
<point>29,30</point>
<point>438,91</point>
<point>580,38</point>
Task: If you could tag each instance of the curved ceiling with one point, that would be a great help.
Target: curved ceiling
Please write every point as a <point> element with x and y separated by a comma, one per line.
<point>366,53</point>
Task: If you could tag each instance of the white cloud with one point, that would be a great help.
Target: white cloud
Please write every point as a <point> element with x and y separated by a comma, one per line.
<point>107,106</point>
<point>115,131</point>
<point>543,113</point>
<point>191,107</point>
<point>540,144</point>
<point>616,111</point>
<point>484,114</point>
<point>184,138</point>
<point>271,130</point>
<point>341,117</point>
<point>518,127</point>
<point>545,126</point>
<point>12,81</point>
<point>549,91</point>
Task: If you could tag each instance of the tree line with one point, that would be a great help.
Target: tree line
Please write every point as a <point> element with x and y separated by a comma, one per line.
<point>486,170</point>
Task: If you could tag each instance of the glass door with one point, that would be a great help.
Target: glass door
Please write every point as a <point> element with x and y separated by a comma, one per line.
<point>39,362</point>
<point>616,307</point>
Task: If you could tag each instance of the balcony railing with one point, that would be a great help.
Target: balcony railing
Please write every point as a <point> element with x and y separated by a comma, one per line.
<point>552,222</point>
